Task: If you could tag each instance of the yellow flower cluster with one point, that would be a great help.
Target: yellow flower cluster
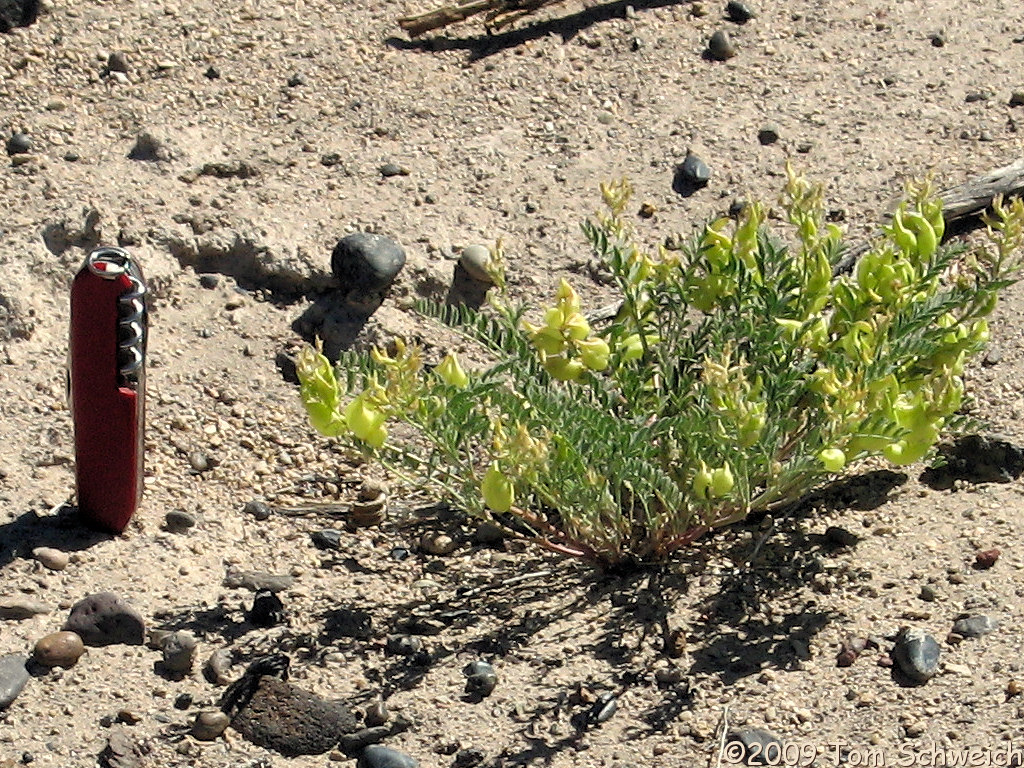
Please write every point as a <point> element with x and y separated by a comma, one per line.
<point>565,343</point>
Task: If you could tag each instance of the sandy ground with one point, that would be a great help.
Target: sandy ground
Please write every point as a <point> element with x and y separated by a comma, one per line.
<point>506,135</point>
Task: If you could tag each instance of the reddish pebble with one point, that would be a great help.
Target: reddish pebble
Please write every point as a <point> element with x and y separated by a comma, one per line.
<point>846,657</point>
<point>986,558</point>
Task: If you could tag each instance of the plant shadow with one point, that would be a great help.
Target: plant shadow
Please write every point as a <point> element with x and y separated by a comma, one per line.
<point>62,529</point>
<point>567,27</point>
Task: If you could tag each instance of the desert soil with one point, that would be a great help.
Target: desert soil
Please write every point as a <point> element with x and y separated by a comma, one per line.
<point>302,102</point>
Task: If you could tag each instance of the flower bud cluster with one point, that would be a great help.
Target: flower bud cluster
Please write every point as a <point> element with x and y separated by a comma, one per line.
<point>565,343</point>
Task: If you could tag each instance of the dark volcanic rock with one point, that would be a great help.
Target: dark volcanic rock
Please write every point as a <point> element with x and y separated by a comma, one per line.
<point>292,721</point>
<point>18,13</point>
<point>367,262</point>
<point>917,654</point>
<point>105,619</point>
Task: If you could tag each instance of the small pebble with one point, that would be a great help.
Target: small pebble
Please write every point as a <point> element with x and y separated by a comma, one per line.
<point>58,649</point>
<point>434,543</point>
<point>376,756</point>
<point>739,12</point>
<point>1017,99</point>
<point>258,509</point>
<point>986,558</point>
<point>928,593</point>
<point>917,654</point>
<point>391,169</point>
<point>692,173</point>
<point>199,461</point>
<point>117,62</point>
<point>605,706</point>
<point>18,608</point>
<point>178,520</point>
<point>938,39</point>
<point>975,626</point>
<point>481,679</point>
<point>327,538</point>
<point>376,714</point>
<point>209,725</point>
<point>720,47</point>
<point>475,260</point>
<point>179,649</point>
<point>209,280</point>
<point>51,558</point>
<point>19,144</point>
<point>769,134</point>
<point>403,645</point>
<point>216,668</point>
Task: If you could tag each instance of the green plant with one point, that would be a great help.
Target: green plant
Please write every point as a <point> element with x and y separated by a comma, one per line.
<point>737,375</point>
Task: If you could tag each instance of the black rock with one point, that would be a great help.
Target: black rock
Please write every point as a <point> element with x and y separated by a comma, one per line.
<point>327,538</point>
<point>376,756</point>
<point>391,169</point>
<point>481,679</point>
<point>13,677</point>
<point>258,509</point>
<point>209,280</point>
<point>285,718</point>
<point>267,609</point>
<point>367,262</point>
<point>286,367</point>
<point>720,47</point>
<point>117,62</point>
<point>19,144</point>
<point>349,622</point>
<point>212,73</point>
<point>178,520</point>
<point>760,747</point>
<point>18,13</point>
<point>975,626</point>
<point>917,654</point>
<point>1017,99</point>
<point>768,134</point>
<point>183,701</point>
<point>739,12</point>
<point>691,174</point>
<point>104,619</point>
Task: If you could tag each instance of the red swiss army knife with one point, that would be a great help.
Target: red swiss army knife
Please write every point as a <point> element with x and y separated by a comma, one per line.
<point>107,386</point>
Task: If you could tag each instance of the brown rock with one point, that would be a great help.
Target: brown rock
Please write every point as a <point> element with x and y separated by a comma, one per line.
<point>986,558</point>
<point>292,721</point>
<point>59,649</point>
